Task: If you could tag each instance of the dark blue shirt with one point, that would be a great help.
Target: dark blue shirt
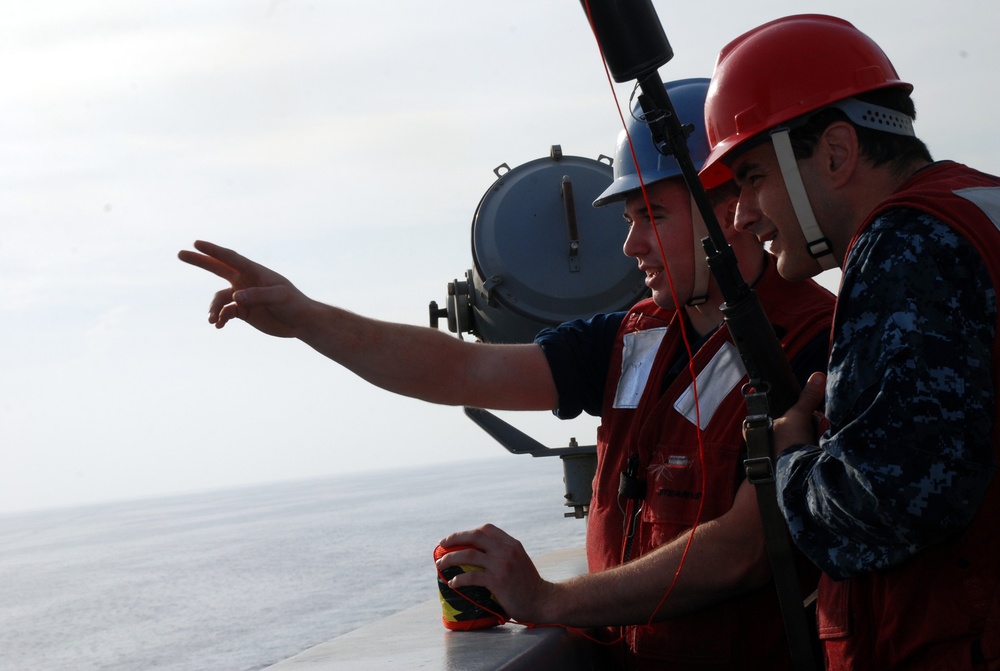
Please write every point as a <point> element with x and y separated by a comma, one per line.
<point>579,353</point>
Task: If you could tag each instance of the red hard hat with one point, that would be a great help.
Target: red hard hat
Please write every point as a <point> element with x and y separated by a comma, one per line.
<point>782,70</point>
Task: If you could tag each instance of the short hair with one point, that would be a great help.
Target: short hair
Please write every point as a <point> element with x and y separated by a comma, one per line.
<point>721,193</point>
<point>879,147</point>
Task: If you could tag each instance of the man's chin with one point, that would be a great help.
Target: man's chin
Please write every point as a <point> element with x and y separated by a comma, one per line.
<point>796,269</point>
<point>664,299</point>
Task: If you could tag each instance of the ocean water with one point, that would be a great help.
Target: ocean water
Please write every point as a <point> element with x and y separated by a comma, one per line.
<point>240,579</point>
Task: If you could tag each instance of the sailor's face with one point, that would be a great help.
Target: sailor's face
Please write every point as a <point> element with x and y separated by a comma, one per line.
<point>765,210</point>
<point>661,240</point>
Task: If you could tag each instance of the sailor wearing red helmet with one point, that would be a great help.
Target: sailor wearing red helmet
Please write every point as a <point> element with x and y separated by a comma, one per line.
<point>898,501</point>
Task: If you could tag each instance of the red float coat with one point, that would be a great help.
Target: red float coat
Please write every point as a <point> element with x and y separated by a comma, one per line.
<point>657,427</point>
<point>940,610</point>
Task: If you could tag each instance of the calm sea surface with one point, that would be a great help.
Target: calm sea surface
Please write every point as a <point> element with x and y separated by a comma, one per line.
<point>243,578</point>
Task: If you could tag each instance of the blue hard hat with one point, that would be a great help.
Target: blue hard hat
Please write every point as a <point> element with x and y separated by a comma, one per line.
<point>688,98</point>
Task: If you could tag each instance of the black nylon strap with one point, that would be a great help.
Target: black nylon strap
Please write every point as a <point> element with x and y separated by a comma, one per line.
<point>760,472</point>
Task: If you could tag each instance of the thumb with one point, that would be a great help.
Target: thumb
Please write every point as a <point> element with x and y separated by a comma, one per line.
<point>256,296</point>
<point>812,395</point>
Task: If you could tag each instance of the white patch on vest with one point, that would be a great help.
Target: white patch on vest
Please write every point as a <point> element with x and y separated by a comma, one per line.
<point>638,352</point>
<point>986,198</point>
<point>715,381</point>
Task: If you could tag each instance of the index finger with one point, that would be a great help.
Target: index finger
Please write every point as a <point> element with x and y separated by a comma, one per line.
<point>208,263</point>
<point>223,262</point>
<point>473,537</point>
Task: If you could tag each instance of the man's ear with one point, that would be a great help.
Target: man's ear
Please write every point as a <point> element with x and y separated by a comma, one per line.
<point>840,152</point>
<point>726,212</point>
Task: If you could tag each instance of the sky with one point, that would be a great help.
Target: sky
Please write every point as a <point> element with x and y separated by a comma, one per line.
<point>345,145</point>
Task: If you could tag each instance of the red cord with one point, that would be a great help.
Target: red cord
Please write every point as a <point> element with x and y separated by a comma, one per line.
<point>684,334</point>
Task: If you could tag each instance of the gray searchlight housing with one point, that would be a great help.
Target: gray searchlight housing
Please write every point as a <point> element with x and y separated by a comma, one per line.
<point>542,254</point>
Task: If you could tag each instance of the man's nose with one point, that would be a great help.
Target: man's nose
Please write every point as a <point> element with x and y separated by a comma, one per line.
<point>633,245</point>
<point>747,212</point>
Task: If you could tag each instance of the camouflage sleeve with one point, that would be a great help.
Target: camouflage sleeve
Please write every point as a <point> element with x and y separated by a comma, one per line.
<point>908,457</point>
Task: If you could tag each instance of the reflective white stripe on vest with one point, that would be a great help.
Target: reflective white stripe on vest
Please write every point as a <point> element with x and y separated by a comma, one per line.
<point>986,198</point>
<point>718,378</point>
<point>638,352</point>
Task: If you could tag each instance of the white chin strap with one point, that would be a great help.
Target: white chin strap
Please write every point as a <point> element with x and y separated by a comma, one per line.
<point>699,291</point>
<point>817,244</point>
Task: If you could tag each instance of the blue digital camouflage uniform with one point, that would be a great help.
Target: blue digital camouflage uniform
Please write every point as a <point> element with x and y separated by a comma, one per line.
<point>907,458</point>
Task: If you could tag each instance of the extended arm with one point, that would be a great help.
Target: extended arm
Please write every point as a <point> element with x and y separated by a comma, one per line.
<point>411,360</point>
<point>727,557</point>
